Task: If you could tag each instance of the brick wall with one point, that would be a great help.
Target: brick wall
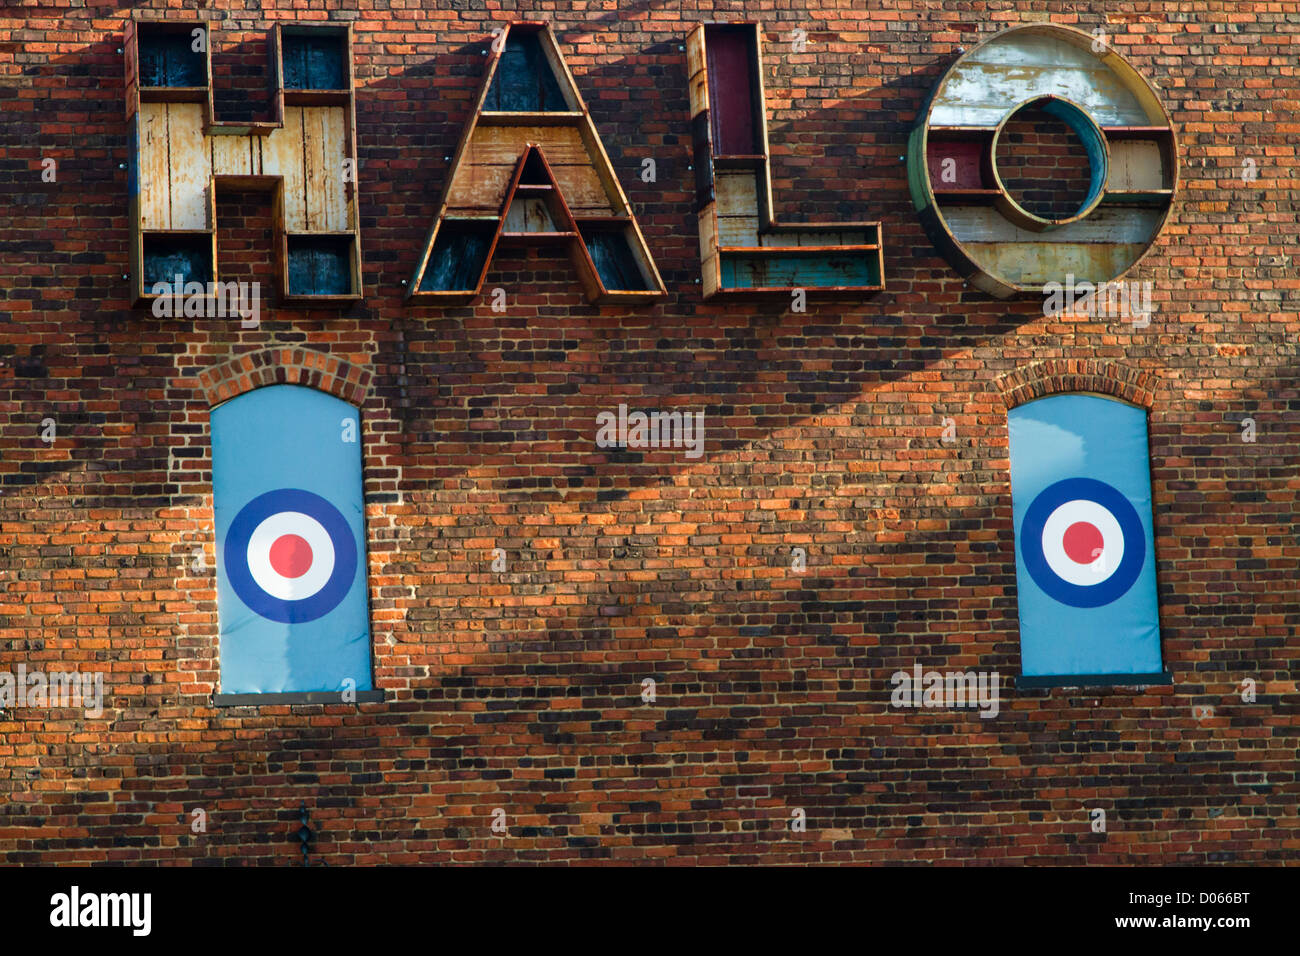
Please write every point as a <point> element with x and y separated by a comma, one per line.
<point>522,690</point>
<point>1043,164</point>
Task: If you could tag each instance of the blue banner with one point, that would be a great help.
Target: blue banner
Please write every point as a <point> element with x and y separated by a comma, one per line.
<point>291,582</point>
<point>1085,542</point>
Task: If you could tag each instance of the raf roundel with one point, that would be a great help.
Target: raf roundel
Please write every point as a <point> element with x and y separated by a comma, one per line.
<point>290,556</point>
<point>1082,542</point>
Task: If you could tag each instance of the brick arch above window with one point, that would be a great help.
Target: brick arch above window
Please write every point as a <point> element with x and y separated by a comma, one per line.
<point>1054,376</point>
<point>285,366</point>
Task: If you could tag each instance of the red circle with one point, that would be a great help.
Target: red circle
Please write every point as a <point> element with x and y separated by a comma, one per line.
<point>1083,542</point>
<point>290,556</point>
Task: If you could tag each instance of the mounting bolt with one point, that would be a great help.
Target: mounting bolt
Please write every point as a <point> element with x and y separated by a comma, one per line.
<point>961,49</point>
<point>403,282</point>
<point>679,48</point>
<point>119,49</point>
<point>121,165</point>
<point>446,159</point>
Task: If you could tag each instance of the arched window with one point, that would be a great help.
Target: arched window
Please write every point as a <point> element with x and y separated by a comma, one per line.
<point>290,528</point>
<point>1085,542</point>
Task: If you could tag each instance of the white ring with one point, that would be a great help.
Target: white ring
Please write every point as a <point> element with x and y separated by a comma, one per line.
<point>259,555</point>
<point>1112,547</point>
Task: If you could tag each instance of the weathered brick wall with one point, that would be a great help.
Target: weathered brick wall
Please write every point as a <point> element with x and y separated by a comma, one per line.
<point>1043,164</point>
<point>522,690</point>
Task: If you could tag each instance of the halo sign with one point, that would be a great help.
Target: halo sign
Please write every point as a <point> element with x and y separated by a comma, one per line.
<point>1082,542</point>
<point>290,556</point>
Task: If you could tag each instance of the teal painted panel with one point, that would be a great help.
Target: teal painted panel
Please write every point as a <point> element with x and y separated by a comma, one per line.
<point>166,257</point>
<point>168,58</point>
<point>799,270</point>
<point>457,259</point>
<point>320,265</point>
<point>523,80</point>
<point>615,265</point>
<point>314,62</point>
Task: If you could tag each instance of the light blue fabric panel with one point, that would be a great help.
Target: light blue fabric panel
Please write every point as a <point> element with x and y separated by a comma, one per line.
<point>1082,448</point>
<point>276,451</point>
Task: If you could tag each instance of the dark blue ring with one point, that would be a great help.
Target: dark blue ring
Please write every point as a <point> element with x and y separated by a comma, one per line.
<point>1130,525</point>
<point>241,578</point>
